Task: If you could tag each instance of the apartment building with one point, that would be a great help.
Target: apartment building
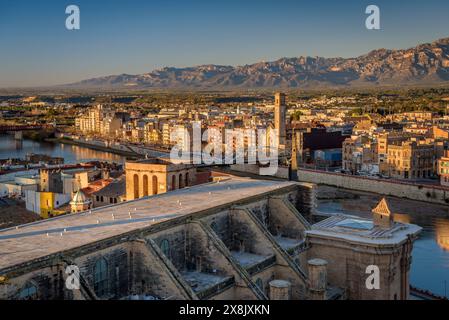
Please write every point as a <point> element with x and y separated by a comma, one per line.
<point>412,159</point>
<point>360,154</point>
<point>443,169</point>
<point>383,141</point>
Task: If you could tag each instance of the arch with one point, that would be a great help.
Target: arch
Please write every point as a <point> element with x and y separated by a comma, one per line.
<point>173,182</point>
<point>145,185</point>
<point>136,186</point>
<point>181,181</point>
<point>101,277</point>
<point>28,292</point>
<point>187,183</point>
<point>155,185</point>
<point>165,247</point>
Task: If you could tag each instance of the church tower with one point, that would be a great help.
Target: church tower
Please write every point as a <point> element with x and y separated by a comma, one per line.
<point>294,160</point>
<point>293,169</point>
<point>279,118</point>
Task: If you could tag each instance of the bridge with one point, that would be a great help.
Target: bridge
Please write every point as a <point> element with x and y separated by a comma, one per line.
<point>15,128</point>
<point>18,129</point>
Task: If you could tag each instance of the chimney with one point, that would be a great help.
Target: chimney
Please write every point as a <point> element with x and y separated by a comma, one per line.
<point>280,290</point>
<point>317,279</point>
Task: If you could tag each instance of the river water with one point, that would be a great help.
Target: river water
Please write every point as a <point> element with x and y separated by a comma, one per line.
<point>10,148</point>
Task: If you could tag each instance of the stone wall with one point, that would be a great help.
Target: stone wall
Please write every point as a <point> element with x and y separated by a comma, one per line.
<point>281,173</point>
<point>347,265</point>
<point>385,187</point>
<point>150,276</point>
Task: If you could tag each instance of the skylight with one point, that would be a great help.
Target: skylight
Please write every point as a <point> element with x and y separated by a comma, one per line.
<point>355,224</point>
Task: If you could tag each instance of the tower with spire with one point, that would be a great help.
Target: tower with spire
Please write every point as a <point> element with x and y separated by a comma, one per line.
<point>382,215</point>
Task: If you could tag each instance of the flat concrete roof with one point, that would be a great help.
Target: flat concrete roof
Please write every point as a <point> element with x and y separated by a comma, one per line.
<point>43,238</point>
<point>332,228</point>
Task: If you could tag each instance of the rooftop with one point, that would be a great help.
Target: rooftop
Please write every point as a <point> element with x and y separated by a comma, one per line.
<point>357,230</point>
<point>114,189</point>
<point>51,236</point>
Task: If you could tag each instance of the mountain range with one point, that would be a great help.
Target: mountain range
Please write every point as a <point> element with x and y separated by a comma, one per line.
<point>424,64</point>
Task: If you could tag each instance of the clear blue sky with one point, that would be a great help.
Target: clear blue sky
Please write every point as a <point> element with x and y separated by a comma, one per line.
<point>137,36</point>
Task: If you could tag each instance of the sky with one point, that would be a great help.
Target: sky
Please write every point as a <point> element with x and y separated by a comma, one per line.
<point>138,36</point>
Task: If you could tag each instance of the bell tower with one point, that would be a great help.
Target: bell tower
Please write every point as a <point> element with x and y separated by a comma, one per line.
<point>279,117</point>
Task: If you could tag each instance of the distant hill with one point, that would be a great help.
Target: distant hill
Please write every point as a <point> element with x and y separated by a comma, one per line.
<point>423,64</point>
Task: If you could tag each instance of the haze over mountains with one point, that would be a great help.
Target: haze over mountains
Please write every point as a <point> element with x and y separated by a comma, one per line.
<point>423,64</point>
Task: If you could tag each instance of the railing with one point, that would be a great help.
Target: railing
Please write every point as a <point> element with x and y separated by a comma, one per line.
<point>276,246</point>
<point>426,294</point>
<point>392,181</point>
<point>214,290</point>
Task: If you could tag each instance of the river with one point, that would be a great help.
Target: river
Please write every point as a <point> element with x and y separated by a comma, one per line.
<point>10,148</point>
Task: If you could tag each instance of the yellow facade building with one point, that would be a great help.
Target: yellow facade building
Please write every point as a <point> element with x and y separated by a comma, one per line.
<point>48,205</point>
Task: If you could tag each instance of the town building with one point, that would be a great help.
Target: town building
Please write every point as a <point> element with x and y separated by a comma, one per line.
<point>155,176</point>
<point>17,186</point>
<point>113,193</point>
<point>360,155</point>
<point>314,139</point>
<point>443,169</point>
<point>412,159</point>
<point>46,204</point>
<point>384,139</point>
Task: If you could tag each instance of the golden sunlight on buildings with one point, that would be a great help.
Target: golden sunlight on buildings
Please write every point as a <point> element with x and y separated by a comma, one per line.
<point>402,218</point>
<point>442,233</point>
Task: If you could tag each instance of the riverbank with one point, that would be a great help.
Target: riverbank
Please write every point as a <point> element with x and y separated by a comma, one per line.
<point>94,147</point>
<point>10,148</point>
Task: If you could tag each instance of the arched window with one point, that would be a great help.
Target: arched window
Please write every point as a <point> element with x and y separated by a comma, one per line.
<point>165,247</point>
<point>187,180</point>
<point>173,182</point>
<point>101,277</point>
<point>155,185</point>
<point>259,284</point>
<point>145,185</point>
<point>181,181</point>
<point>29,292</point>
<point>136,186</point>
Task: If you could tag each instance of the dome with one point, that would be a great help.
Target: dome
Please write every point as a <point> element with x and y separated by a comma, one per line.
<point>80,198</point>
